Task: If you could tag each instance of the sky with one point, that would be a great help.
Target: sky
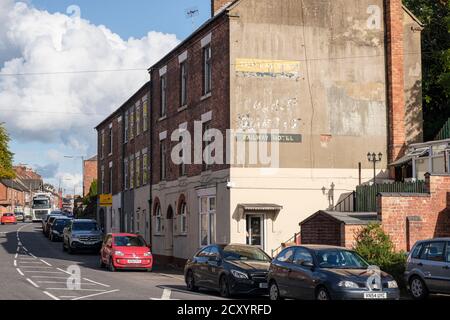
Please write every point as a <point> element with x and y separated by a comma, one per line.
<point>65,65</point>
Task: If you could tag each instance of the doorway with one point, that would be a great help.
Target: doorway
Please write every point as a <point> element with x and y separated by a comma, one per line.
<point>255,230</point>
<point>169,231</point>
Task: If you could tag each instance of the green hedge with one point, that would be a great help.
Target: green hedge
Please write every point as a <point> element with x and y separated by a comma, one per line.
<point>374,245</point>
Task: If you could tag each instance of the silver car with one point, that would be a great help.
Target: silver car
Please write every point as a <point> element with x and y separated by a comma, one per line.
<point>428,268</point>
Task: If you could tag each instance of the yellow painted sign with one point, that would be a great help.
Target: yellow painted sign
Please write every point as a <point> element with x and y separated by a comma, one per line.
<point>287,69</point>
<point>106,200</point>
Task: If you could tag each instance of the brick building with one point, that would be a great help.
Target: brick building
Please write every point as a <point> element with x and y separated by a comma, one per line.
<point>123,165</point>
<point>89,173</point>
<point>12,195</point>
<point>331,77</point>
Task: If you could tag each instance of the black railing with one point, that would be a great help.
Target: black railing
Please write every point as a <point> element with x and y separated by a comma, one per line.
<point>295,239</point>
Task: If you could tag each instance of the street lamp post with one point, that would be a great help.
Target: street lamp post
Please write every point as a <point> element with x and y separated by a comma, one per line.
<point>374,158</point>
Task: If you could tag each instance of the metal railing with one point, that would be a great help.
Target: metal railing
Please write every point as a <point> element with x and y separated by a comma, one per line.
<point>295,239</point>
<point>347,204</point>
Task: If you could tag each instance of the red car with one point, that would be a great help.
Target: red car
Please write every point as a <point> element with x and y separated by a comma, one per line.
<point>125,251</point>
<point>9,218</point>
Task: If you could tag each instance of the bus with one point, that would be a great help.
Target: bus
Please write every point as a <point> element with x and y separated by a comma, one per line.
<point>41,206</point>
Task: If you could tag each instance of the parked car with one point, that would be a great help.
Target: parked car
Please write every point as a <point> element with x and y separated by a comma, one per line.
<point>49,223</point>
<point>125,251</point>
<point>56,228</point>
<point>20,216</point>
<point>428,268</point>
<point>82,234</point>
<point>326,273</point>
<point>229,269</point>
<point>46,218</point>
<point>8,218</point>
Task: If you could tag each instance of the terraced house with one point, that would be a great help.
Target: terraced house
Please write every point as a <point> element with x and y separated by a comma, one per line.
<point>123,165</point>
<point>334,79</point>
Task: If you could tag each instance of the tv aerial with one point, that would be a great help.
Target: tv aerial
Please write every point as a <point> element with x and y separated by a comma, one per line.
<point>191,13</point>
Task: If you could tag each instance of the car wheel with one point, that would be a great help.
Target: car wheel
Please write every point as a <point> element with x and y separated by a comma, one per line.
<point>224,287</point>
<point>149,270</point>
<point>274,292</point>
<point>322,294</point>
<point>418,288</point>
<point>190,282</point>
<point>111,266</point>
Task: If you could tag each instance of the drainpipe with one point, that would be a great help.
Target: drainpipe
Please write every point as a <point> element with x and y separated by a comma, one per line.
<point>150,148</point>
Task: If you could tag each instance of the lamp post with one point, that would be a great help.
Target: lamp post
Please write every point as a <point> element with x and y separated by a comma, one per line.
<point>82,167</point>
<point>374,158</point>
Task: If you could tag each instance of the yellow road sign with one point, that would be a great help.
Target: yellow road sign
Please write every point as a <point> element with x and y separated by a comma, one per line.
<point>106,200</point>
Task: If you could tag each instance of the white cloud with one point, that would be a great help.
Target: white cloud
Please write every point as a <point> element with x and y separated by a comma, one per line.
<point>61,108</point>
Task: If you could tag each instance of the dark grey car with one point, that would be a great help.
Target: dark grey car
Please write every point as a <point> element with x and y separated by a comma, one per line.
<point>327,273</point>
<point>428,268</point>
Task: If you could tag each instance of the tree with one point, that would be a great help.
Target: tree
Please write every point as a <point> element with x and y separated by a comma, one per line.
<point>435,15</point>
<point>6,156</point>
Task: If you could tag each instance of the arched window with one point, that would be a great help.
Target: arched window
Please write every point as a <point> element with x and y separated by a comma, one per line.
<point>158,224</point>
<point>183,218</point>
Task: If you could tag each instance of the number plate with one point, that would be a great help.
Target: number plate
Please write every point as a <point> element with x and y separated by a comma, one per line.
<point>263,285</point>
<point>375,295</point>
<point>135,261</point>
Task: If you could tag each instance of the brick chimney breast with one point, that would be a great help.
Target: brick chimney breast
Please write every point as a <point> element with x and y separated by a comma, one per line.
<point>219,5</point>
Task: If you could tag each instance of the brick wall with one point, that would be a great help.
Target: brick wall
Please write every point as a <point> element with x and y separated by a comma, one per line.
<point>218,103</point>
<point>349,235</point>
<point>395,74</point>
<point>89,174</point>
<point>321,229</point>
<point>216,5</point>
<point>407,218</point>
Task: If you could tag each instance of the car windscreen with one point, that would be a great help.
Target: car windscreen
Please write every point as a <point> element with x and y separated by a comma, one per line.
<point>340,259</point>
<point>60,223</point>
<point>84,226</point>
<point>128,241</point>
<point>8,215</point>
<point>244,253</point>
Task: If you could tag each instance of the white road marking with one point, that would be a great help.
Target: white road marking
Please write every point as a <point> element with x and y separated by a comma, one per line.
<point>61,282</point>
<point>15,257</point>
<point>32,255</point>
<point>31,281</point>
<point>165,295</point>
<point>19,271</point>
<point>95,282</point>
<point>15,263</point>
<point>171,276</point>
<point>55,272</point>
<point>67,297</point>
<point>51,296</point>
<point>43,261</point>
<point>96,294</point>
<point>65,271</point>
<point>36,267</point>
<point>68,289</point>
<point>30,262</point>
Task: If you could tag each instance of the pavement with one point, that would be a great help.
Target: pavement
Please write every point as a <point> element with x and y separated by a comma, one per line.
<point>33,268</point>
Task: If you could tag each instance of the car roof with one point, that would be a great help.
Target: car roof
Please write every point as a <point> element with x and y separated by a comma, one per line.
<point>319,247</point>
<point>434,239</point>
<point>125,235</point>
<point>84,220</point>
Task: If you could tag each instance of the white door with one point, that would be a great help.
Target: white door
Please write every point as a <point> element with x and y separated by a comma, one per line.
<point>255,230</point>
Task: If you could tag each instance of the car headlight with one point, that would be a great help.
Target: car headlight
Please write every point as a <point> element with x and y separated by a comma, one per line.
<point>348,284</point>
<point>55,231</point>
<point>119,253</point>
<point>239,274</point>
<point>392,284</point>
<point>148,254</point>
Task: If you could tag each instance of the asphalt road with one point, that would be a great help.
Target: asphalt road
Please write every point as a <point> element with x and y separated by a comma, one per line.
<point>33,268</point>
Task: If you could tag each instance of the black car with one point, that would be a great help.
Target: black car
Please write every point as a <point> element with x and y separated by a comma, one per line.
<point>230,269</point>
<point>327,273</point>
<point>56,228</point>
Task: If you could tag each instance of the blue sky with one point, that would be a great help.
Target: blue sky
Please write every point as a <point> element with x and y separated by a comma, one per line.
<point>129,19</point>
<point>134,18</point>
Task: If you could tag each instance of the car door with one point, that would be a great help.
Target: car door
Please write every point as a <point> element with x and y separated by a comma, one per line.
<point>212,274</point>
<point>200,267</point>
<point>446,270</point>
<point>432,264</point>
<point>282,266</point>
<point>300,278</point>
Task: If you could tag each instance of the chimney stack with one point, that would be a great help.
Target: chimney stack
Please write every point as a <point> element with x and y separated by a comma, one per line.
<point>395,79</point>
<point>218,5</point>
